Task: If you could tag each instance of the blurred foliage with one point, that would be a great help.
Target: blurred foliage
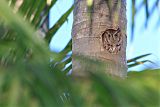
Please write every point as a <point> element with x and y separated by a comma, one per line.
<point>32,76</point>
<point>135,61</point>
<point>136,7</point>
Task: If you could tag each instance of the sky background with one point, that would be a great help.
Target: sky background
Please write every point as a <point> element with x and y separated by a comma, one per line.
<point>146,40</point>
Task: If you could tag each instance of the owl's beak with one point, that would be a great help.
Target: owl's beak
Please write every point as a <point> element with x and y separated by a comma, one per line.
<point>114,48</point>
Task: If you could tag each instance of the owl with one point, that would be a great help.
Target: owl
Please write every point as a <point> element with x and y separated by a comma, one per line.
<point>112,40</point>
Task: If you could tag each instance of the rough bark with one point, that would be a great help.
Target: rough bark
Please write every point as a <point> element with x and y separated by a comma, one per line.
<point>99,32</point>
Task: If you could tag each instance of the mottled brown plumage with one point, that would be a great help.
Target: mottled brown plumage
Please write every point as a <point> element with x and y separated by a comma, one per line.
<point>112,40</point>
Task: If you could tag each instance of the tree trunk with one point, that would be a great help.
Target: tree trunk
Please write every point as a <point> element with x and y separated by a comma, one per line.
<point>99,33</point>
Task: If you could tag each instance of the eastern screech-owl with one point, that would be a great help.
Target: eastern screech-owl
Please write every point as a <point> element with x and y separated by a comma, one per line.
<point>112,40</point>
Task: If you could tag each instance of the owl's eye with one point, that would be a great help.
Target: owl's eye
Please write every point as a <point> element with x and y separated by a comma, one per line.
<point>109,45</point>
<point>118,45</point>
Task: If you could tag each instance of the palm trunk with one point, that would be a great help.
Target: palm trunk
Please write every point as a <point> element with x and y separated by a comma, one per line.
<point>99,32</point>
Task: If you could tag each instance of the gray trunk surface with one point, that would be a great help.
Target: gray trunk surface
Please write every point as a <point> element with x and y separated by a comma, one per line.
<point>99,33</point>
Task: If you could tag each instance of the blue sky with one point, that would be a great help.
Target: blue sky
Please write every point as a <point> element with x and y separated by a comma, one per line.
<point>146,40</point>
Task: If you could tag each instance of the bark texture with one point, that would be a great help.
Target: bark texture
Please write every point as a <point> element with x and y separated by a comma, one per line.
<point>99,32</point>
